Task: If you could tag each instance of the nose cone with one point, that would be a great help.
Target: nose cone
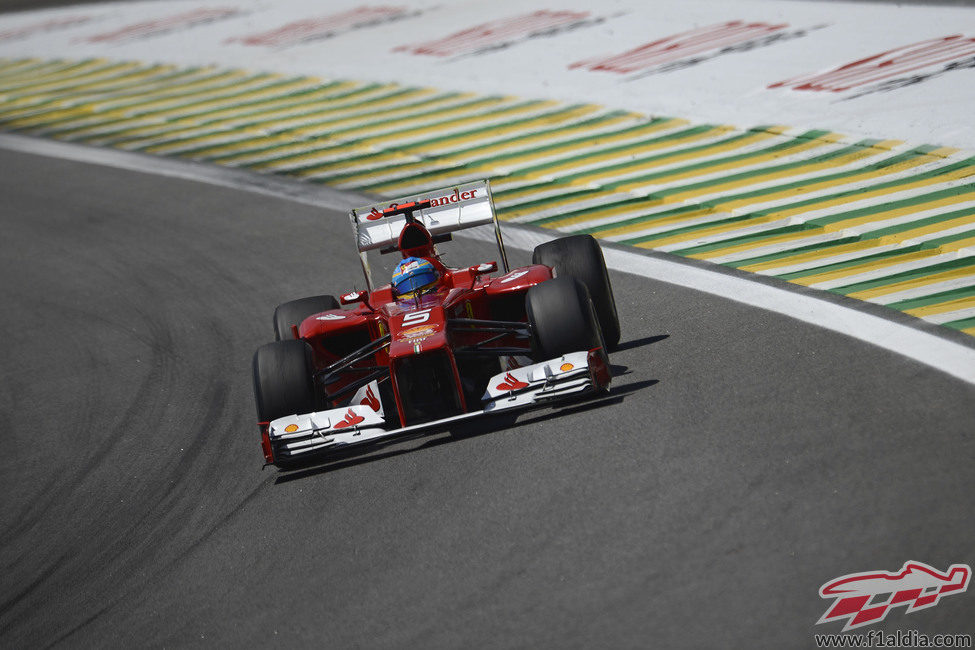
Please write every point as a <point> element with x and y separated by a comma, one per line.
<point>417,329</point>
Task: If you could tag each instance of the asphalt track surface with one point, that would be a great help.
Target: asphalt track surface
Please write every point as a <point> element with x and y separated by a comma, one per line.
<point>745,459</point>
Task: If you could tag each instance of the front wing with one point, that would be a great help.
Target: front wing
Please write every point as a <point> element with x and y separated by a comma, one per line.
<point>296,436</point>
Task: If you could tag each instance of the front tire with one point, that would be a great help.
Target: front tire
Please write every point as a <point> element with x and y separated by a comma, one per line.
<point>562,317</point>
<point>580,257</point>
<point>292,313</point>
<point>284,380</point>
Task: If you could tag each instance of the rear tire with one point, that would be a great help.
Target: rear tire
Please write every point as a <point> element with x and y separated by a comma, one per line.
<point>283,380</point>
<point>580,257</point>
<point>562,317</point>
<point>292,313</point>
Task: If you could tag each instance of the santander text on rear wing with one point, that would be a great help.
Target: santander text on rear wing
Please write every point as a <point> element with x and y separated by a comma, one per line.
<point>377,227</point>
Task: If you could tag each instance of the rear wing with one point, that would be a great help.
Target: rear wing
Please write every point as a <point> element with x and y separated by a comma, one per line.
<point>443,211</point>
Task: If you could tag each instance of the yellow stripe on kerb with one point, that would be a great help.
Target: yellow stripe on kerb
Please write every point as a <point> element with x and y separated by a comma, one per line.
<point>35,83</point>
<point>63,89</point>
<point>665,240</point>
<point>862,176</point>
<point>459,141</point>
<point>116,111</point>
<point>913,283</point>
<point>804,168</point>
<point>501,183</point>
<point>717,205</point>
<point>942,307</point>
<point>886,240</point>
<point>886,262</point>
<point>370,124</point>
<point>451,160</point>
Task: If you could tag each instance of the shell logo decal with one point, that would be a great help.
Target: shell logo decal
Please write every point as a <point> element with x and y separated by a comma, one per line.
<point>420,332</point>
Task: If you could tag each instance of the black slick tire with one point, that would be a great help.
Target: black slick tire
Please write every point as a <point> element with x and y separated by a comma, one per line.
<point>562,318</point>
<point>292,313</point>
<point>580,257</point>
<point>284,380</point>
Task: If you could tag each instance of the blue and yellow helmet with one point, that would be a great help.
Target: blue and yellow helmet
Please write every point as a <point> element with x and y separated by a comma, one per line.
<point>413,276</point>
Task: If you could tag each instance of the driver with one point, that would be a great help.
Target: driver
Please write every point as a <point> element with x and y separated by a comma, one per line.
<point>414,276</point>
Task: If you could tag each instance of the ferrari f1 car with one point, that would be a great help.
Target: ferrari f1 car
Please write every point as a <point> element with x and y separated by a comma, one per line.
<point>439,344</point>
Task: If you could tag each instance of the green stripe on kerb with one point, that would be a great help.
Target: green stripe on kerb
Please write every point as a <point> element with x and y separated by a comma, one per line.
<point>583,157</point>
<point>470,157</point>
<point>741,196</point>
<point>814,223</point>
<point>929,245</point>
<point>305,130</point>
<point>963,324</point>
<point>945,296</point>
<point>711,191</point>
<point>916,274</point>
<point>867,236</point>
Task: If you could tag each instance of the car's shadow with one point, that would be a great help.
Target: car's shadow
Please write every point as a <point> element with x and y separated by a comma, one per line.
<point>637,343</point>
<point>468,430</point>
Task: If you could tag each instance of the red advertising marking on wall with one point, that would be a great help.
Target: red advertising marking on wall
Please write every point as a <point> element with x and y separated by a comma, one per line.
<point>495,34</point>
<point>878,67</point>
<point>45,26</point>
<point>679,46</point>
<point>163,25</point>
<point>321,26</point>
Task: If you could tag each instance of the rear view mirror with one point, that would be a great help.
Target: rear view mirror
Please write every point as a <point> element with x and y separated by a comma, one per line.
<point>354,297</point>
<point>480,269</point>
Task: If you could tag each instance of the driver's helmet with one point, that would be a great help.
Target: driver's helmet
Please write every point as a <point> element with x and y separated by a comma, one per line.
<point>414,276</point>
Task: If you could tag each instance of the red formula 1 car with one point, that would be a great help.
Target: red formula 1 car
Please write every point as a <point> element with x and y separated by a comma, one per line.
<point>439,344</point>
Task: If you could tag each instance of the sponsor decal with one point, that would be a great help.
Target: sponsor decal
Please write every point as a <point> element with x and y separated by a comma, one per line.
<point>692,47</point>
<point>511,383</point>
<point>377,212</point>
<point>291,428</point>
<point>350,420</point>
<point>322,27</point>
<point>331,316</point>
<point>158,27</point>
<point>514,275</point>
<point>409,266</point>
<point>866,598</point>
<point>901,66</point>
<point>370,400</point>
<point>456,197</point>
<point>502,33</point>
<point>420,332</point>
